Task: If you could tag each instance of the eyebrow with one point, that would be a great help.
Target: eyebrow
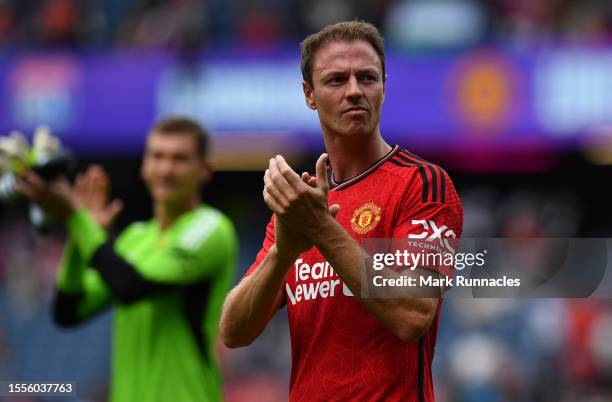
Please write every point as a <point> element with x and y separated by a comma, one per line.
<point>333,71</point>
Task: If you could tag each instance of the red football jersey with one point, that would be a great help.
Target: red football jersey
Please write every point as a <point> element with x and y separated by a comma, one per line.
<point>340,352</point>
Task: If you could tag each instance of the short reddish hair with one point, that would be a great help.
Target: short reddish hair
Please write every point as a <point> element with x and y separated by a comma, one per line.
<point>342,31</point>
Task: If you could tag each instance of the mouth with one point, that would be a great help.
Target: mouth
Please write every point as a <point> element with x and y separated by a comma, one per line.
<point>166,186</point>
<point>355,110</point>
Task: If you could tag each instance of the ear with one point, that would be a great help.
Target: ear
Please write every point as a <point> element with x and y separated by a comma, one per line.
<point>206,172</point>
<point>384,88</point>
<point>309,95</point>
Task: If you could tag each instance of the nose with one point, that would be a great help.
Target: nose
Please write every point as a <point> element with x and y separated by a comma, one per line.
<point>165,167</point>
<point>353,90</point>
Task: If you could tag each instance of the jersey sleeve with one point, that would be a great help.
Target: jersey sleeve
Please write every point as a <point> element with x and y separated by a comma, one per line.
<point>430,219</point>
<point>204,247</point>
<point>268,241</point>
<point>81,292</point>
<point>86,235</point>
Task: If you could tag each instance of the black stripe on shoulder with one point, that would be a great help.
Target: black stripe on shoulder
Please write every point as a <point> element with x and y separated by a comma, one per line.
<point>435,170</point>
<point>401,162</point>
<point>434,184</point>
<point>425,194</point>
<point>408,153</point>
<point>442,184</point>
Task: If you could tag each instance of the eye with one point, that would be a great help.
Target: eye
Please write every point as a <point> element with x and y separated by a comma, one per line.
<point>154,155</point>
<point>336,79</point>
<point>369,78</point>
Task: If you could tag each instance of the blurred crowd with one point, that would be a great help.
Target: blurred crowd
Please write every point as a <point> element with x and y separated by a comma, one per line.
<point>193,24</point>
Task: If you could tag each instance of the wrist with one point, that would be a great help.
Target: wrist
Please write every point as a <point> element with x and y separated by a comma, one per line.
<point>324,231</point>
<point>69,210</point>
<point>284,258</point>
<point>85,232</point>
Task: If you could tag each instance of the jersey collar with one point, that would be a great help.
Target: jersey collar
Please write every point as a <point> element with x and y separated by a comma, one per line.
<point>337,186</point>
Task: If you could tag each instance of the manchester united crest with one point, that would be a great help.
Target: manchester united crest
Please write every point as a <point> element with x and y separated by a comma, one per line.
<point>365,218</point>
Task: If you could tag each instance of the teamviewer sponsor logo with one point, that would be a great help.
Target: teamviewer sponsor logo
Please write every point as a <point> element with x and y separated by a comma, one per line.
<point>316,281</point>
<point>431,231</point>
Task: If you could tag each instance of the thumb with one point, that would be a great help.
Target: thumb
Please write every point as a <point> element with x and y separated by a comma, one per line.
<point>115,207</point>
<point>334,209</point>
<point>63,184</point>
<point>322,172</point>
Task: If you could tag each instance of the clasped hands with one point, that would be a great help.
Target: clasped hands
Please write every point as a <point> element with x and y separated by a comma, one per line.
<point>299,203</point>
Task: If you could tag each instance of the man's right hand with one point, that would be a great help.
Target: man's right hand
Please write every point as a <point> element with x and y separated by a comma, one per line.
<point>92,191</point>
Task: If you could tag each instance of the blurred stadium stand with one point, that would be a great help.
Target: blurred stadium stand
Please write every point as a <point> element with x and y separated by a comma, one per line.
<point>513,97</point>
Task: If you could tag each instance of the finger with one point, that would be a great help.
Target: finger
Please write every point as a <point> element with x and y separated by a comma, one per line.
<point>89,171</point>
<point>24,188</point>
<point>272,203</point>
<point>81,190</point>
<point>322,173</point>
<point>288,173</point>
<point>87,183</point>
<point>99,174</point>
<point>102,189</point>
<point>278,182</point>
<point>311,181</point>
<point>115,207</point>
<point>99,180</point>
<point>334,209</point>
<point>62,184</point>
<point>98,186</point>
<point>273,190</point>
<point>78,184</point>
<point>96,169</point>
<point>35,180</point>
<point>34,184</point>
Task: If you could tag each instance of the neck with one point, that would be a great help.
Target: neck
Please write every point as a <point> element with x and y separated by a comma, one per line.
<point>350,156</point>
<point>167,213</point>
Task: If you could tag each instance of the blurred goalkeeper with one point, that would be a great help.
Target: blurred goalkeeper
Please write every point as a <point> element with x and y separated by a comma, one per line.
<point>166,277</point>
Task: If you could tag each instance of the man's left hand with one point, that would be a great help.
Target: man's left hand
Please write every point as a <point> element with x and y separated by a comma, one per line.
<point>92,191</point>
<point>55,197</point>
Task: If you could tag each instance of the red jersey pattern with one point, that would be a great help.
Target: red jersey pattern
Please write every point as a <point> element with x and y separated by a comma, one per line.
<point>339,351</point>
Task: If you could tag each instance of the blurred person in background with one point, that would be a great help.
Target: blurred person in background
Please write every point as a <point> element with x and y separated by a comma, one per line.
<point>166,277</point>
<point>345,346</point>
